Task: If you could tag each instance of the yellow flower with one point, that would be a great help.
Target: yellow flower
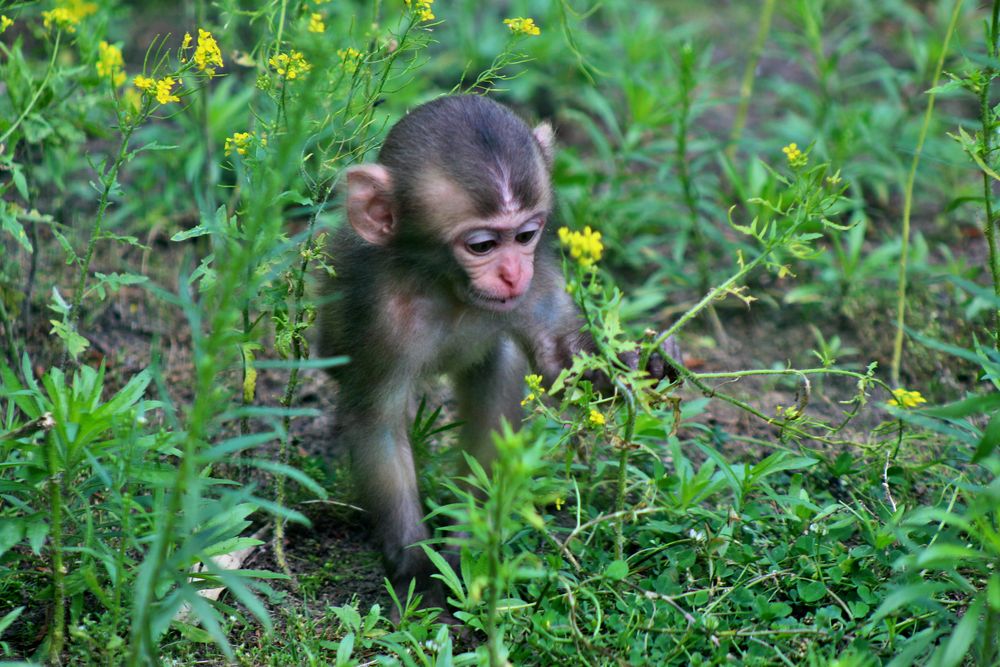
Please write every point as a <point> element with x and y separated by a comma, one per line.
<point>791,413</point>
<point>144,83</point>
<point>796,158</point>
<point>290,66</point>
<point>422,9</point>
<point>66,15</point>
<point>906,399</point>
<point>534,383</point>
<point>316,23</point>
<point>185,45</point>
<point>522,26</point>
<point>585,247</point>
<point>595,419</point>
<point>240,141</point>
<point>207,53</point>
<point>131,100</point>
<point>61,17</point>
<point>163,86</point>
<point>110,64</point>
<point>5,23</point>
<point>349,58</point>
<point>559,503</point>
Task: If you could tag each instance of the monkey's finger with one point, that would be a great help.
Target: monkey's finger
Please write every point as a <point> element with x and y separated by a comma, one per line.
<point>630,359</point>
<point>656,366</point>
<point>669,348</point>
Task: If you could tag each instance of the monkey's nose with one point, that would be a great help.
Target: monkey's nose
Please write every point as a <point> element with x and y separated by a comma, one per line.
<point>511,279</point>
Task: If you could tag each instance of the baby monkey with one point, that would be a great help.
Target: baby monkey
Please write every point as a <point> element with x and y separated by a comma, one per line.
<point>444,268</point>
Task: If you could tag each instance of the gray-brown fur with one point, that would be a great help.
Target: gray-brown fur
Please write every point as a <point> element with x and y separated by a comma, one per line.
<point>469,138</point>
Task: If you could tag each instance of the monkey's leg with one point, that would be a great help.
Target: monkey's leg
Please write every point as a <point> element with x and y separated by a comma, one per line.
<point>383,471</point>
<point>487,393</point>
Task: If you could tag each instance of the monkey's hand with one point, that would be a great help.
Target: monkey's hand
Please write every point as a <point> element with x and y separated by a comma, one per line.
<point>657,367</point>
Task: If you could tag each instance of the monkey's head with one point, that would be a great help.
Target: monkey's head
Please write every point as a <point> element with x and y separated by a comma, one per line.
<point>461,193</point>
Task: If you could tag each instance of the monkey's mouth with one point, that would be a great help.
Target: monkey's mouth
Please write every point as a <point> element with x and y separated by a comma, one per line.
<point>497,303</point>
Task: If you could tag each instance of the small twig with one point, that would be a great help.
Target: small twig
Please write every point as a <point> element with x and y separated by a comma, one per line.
<point>669,599</point>
<point>322,501</point>
<point>43,423</point>
<point>611,517</point>
<point>885,482</point>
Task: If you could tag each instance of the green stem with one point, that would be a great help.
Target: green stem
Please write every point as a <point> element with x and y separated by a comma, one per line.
<point>623,469</point>
<point>58,633</point>
<point>278,543</point>
<point>706,301</point>
<point>897,348</point>
<point>281,27</point>
<point>688,83</point>
<point>298,354</point>
<point>986,148</point>
<point>493,590</point>
<point>245,420</point>
<point>696,379</point>
<point>108,183</point>
<point>787,371</point>
<point>141,635</point>
<point>749,75</point>
<point>204,95</point>
<point>121,553</point>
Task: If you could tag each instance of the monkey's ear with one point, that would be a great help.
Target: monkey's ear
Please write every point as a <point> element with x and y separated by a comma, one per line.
<point>369,203</point>
<point>546,139</point>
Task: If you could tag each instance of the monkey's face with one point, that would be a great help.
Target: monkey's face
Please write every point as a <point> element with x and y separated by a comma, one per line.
<point>498,256</point>
<point>492,237</point>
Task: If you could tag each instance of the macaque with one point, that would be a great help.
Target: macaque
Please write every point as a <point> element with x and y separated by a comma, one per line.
<point>444,268</point>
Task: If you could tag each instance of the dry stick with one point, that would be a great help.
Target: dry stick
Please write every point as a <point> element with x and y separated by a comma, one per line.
<point>897,347</point>
<point>43,423</point>
<point>885,482</point>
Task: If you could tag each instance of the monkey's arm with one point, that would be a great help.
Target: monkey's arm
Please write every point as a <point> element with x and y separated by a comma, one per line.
<point>552,331</point>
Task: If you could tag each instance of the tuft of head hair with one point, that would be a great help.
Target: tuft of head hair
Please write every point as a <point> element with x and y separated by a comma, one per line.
<point>479,145</point>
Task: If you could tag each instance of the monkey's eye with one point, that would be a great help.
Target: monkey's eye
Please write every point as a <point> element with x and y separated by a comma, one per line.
<point>526,233</point>
<point>480,243</point>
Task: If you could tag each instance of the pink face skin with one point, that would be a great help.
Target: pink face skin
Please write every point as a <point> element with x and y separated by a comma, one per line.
<point>499,257</point>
